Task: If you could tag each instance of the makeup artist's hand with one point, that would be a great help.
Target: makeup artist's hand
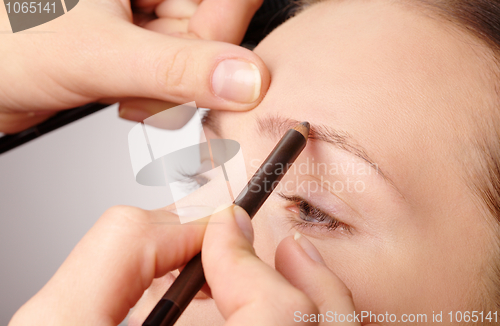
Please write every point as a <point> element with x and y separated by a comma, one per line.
<point>117,260</point>
<point>249,292</point>
<point>111,267</point>
<point>96,52</point>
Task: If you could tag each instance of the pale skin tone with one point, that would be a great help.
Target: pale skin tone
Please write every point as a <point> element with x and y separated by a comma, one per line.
<point>95,52</point>
<point>389,78</point>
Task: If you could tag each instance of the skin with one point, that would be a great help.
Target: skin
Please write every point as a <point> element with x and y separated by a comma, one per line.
<point>127,248</point>
<point>118,55</point>
<point>404,86</point>
<point>410,247</point>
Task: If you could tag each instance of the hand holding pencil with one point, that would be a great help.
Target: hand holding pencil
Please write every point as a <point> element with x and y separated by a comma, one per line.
<point>99,282</point>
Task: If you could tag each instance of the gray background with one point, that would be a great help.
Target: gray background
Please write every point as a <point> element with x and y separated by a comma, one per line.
<point>52,190</point>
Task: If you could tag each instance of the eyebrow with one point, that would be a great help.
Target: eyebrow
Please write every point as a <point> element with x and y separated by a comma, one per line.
<point>275,126</point>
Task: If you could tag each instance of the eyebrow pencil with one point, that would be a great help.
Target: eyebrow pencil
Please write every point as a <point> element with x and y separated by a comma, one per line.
<point>261,185</point>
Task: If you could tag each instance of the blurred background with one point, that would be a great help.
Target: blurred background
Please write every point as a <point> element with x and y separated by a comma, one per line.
<point>52,190</point>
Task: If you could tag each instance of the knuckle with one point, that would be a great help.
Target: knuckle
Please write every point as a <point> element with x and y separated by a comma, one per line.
<point>173,72</point>
<point>123,215</point>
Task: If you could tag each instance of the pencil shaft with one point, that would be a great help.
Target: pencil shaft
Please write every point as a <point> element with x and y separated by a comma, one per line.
<point>267,177</point>
<point>178,296</point>
<point>253,196</point>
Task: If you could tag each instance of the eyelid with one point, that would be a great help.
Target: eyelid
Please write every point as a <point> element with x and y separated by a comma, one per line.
<point>196,179</point>
<point>346,199</point>
<point>199,178</point>
<point>333,222</point>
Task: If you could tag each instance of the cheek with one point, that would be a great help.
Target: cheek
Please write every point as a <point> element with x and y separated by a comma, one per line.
<point>379,279</point>
<point>270,228</point>
<point>416,271</point>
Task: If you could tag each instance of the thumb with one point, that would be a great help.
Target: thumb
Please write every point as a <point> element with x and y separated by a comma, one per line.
<point>111,267</point>
<point>246,290</point>
<point>302,265</point>
<point>151,65</point>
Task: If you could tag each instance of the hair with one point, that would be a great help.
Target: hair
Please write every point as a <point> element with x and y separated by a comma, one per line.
<point>481,19</point>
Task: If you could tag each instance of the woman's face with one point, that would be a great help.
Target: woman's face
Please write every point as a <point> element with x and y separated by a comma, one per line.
<point>389,92</point>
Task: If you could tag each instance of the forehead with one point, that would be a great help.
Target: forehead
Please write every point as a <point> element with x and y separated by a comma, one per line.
<point>403,84</point>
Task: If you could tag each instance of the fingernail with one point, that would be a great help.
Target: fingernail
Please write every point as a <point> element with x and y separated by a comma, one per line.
<point>308,247</point>
<point>133,114</point>
<point>244,222</point>
<point>237,81</point>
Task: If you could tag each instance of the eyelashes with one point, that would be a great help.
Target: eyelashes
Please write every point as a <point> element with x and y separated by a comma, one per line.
<point>193,181</point>
<point>200,179</point>
<point>311,216</point>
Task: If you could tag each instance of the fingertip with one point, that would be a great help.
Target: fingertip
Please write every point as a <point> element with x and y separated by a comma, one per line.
<point>308,248</point>
<point>214,74</point>
<point>139,109</point>
<point>229,235</point>
<point>11,123</point>
<point>239,79</point>
<point>236,222</point>
<point>244,222</point>
<point>285,250</point>
<point>322,284</point>
<point>297,248</point>
<point>132,113</point>
<point>221,214</point>
<point>291,259</point>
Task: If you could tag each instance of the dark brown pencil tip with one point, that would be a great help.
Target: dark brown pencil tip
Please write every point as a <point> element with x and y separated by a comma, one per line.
<point>303,128</point>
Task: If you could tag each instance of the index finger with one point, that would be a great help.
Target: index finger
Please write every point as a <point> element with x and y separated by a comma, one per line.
<point>111,267</point>
<point>316,280</point>
<point>246,290</point>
